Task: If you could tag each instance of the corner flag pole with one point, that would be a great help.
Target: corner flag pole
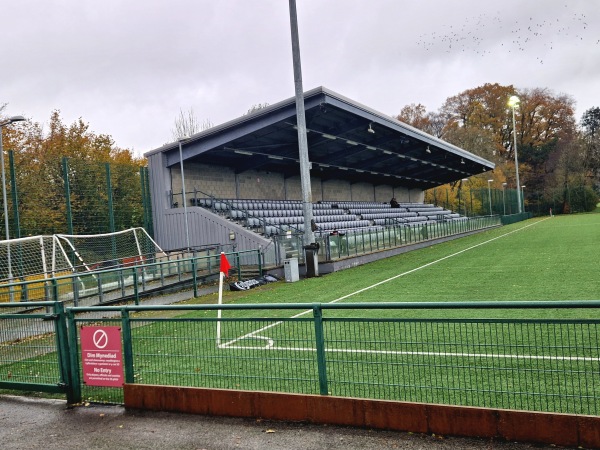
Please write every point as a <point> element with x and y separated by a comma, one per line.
<point>223,272</point>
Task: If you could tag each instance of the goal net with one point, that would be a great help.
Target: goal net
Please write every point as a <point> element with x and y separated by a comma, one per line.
<point>103,251</point>
<point>32,257</point>
<point>36,257</point>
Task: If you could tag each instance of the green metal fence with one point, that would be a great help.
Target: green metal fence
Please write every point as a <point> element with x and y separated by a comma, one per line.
<point>76,196</point>
<point>130,282</point>
<point>470,201</point>
<point>34,351</point>
<point>394,351</point>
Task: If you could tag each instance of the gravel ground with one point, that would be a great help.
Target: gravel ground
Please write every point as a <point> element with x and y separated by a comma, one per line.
<point>27,423</point>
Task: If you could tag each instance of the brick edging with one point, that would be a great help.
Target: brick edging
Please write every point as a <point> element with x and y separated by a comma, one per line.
<point>546,428</point>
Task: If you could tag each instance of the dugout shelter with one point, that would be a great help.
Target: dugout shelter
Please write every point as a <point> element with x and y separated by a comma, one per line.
<point>356,154</point>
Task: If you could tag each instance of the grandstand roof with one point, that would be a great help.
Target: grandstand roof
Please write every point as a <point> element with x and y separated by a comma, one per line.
<point>340,145</point>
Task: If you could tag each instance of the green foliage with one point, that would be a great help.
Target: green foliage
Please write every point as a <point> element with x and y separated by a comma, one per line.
<point>551,153</point>
<point>40,180</point>
<point>590,121</point>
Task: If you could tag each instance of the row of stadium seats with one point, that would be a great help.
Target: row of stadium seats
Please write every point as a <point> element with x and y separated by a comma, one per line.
<point>227,204</point>
<point>275,216</point>
<point>238,214</point>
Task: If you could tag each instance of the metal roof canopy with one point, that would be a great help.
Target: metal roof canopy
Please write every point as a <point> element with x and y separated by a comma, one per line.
<point>339,142</point>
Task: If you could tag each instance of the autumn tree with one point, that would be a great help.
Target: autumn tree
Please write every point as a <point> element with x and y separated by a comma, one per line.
<point>480,121</point>
<point>416,115</point>
<point>482,109</point>
<point>40,178</point>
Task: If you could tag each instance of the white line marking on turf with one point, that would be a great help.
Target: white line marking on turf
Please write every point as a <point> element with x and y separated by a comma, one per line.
<point>407,353</point>
<point>274,324</point>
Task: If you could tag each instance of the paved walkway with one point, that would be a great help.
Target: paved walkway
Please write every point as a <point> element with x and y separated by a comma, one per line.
<point>32,424</point>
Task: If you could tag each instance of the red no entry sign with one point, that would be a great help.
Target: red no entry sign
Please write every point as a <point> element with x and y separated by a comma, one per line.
<point>101,356</point>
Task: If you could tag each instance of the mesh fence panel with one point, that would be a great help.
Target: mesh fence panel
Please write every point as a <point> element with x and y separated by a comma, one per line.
<point>528,365</point>
<point>28,351</point>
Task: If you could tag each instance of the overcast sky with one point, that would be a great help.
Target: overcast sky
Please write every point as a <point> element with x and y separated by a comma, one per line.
<point>127,67</point>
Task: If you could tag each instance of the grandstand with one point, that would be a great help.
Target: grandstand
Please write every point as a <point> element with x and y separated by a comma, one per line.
<point>242,178</point>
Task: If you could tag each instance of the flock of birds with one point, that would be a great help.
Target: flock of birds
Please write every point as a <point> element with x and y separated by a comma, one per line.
<point>482,34</point>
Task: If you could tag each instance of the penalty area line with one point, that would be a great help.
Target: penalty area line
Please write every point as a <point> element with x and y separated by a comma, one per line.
<point>387,280</point>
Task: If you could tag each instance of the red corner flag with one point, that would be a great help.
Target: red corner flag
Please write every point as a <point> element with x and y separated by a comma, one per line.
<point>224,264</point>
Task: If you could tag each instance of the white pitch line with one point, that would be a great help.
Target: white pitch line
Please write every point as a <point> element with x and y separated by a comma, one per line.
<point>445,354</point>
<point>274,324</point>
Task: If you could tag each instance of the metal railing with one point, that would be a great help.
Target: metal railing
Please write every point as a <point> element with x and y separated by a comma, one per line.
<point>34,351</point>
<point>128,282</point>
<point>526,357</point>
<point>340,244</point>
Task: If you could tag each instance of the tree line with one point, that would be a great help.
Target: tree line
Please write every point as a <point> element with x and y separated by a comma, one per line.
<point>556,154</point>
<point>39,165</point>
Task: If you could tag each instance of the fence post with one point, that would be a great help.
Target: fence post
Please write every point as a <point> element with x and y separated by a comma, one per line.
<point>194,277</point>
<point>111,213</point>
<point>100,290</point>
<point>320,342</point>
<point>259,256</point>
<point>15,197</point>
<point>65,166</point>
<point>127,346</point>
<point>239,268</point>
<point>62,344</point>
<point>75,288</point>
<point>75,388</point>
<point>54,290</point>
<point>136,292</point>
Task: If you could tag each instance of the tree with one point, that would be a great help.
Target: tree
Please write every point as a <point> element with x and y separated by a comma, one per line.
<point>40,177</point>
<point>480,121</point>
<point>417,116</point>
<point>187,124</point>
<point>545,125</point>
<point>590,122</point>
<point>256,107</point>
<point>483,108</point>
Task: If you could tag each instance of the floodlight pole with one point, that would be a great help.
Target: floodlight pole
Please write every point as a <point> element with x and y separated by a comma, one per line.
<point>513,102</point>
<point>309,236</point>
<point>6,225</point>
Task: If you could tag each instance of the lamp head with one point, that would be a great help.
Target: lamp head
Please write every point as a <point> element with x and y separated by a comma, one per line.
<point>513,101</point>
<point>11,120</point>
<point>371,130</point>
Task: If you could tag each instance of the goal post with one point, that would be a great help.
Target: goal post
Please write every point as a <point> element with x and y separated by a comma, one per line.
<point>36,255</point>
<point>47,256</point>
<point>103,251</point>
